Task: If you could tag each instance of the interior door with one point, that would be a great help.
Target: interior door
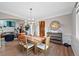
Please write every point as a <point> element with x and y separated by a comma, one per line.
<point>42,28</point>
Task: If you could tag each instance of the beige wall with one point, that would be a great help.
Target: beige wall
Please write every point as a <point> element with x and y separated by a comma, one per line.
<point>65,21</point>
<point>66,26</point>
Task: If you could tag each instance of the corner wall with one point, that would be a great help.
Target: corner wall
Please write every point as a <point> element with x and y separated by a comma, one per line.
<point>75,32</point>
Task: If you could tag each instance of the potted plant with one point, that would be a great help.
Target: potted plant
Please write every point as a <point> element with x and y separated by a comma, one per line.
<point>27,27</point>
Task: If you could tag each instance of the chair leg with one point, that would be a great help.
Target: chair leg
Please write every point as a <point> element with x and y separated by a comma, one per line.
<point>38,52</point>
<point>48,51</point>
<point>45,52</point>
<point>26,52</point>
<point>23,49</point>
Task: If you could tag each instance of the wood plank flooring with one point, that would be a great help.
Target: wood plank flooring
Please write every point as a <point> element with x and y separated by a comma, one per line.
<point>12,49</point>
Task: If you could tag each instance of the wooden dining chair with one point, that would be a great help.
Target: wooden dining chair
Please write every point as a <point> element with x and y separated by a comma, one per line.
<point>44,46</point>
<point>21,39</point>
<point>24,42</point>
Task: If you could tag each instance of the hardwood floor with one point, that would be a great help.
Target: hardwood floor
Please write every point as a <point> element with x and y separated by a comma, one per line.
<point>12,49</point>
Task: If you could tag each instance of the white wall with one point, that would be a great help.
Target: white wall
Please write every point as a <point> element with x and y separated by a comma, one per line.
<point>6,16</point>
<point>77,26</point>
<point>75,33</point>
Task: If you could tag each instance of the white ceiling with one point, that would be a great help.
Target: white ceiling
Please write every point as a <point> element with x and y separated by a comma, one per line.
<point>40,9</point>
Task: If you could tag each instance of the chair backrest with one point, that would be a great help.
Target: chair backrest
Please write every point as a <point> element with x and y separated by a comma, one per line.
<point>22,38</point>
<point>47,41</point>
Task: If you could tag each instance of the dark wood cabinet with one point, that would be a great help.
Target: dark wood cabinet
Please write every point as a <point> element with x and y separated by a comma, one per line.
<point>55,37</point>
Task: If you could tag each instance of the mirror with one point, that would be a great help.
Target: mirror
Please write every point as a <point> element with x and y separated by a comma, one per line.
<point>55,25</point>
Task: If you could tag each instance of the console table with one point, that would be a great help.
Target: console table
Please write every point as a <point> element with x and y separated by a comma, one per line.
<point>55,37</point>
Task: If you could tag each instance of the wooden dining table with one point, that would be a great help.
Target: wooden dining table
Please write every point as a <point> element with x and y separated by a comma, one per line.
<point>36,40</point>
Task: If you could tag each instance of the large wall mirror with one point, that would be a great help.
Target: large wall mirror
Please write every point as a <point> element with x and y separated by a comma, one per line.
<point>55,25</point>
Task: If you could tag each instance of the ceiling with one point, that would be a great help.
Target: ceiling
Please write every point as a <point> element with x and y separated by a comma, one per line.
<point>39,9</point>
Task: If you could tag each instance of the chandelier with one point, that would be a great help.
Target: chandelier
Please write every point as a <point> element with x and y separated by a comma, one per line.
<point>30,18</point>
<point>31,22</point>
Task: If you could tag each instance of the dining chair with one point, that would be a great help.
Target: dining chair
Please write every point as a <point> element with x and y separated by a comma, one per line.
<point>21,38</point>
<point>44,46</point>
<point>24,42</point>
<point>28,46</point>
